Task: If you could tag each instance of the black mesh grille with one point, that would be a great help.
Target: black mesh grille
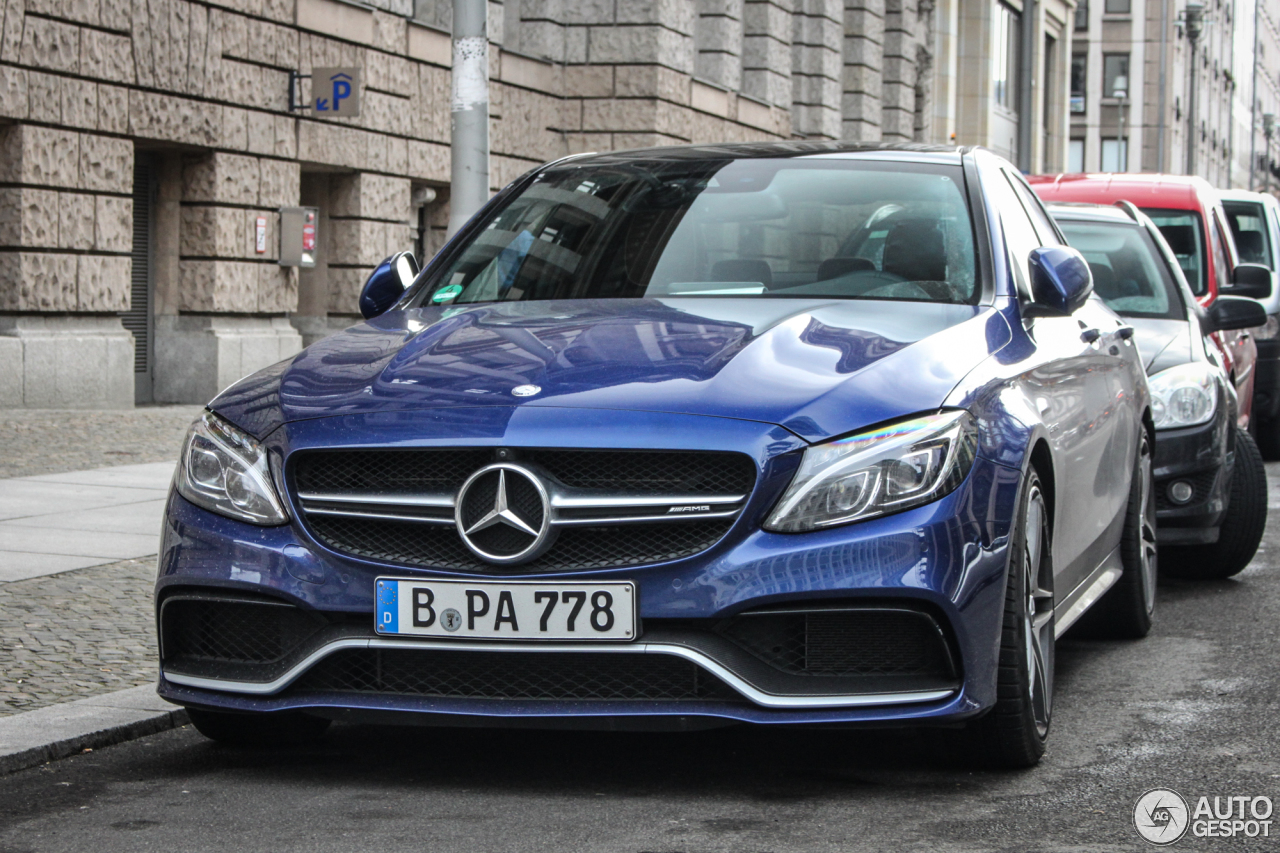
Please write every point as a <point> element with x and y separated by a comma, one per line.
<point>234,631</point>
<point>662,472</point>
<point>681,473</point>
<point>514,675</point>
<point>576,548</point>
<point>1201,485</point>
<point>388,471</point>
<point>857,642</point>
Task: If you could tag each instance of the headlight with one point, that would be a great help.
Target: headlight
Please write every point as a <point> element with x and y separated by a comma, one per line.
<point>224,470</point>
<point>885,470</point>
<point>1183,396</point>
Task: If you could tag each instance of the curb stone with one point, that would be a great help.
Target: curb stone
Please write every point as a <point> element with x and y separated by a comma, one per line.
<point>58,731</point>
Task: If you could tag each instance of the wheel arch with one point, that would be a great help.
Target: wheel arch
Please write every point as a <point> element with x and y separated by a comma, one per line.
<point>1041,458</point>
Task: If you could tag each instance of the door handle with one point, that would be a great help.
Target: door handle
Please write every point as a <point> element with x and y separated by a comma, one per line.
<point>1090,336</point>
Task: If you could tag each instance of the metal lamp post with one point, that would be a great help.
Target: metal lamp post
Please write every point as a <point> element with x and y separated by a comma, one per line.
<point>1193,17</point>
<point>469,139</point>
<point>1268,125</point>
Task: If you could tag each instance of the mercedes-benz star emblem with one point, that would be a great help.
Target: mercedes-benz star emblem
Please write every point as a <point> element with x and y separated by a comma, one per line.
<point>525,390</point>
<point>503,514</point>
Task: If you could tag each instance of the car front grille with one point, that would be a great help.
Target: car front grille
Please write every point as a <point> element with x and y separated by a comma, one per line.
<point>860,641</point>
<point>576,549</point>
<point>613,508</point>
<point>564,676</point>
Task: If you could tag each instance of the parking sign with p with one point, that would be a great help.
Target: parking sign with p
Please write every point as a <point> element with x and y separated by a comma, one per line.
<point>336,91</point>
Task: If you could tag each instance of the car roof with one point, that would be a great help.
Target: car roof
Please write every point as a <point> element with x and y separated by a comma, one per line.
<point>1089,211</point>
<point>1243,195</point>
<point>794,148</point>
<point>1179,192</point>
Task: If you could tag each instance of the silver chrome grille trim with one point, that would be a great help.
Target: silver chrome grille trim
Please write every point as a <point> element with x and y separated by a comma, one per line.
<point>603,509</point>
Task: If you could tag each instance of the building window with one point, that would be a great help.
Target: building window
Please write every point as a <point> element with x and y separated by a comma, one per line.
<point>1082,16</point>
<point>1116,7</point>
<point>1005,57</point>
<point>1115,75</point>
<point>1115,155</point>
<point>1078,78</point>
<point>1075,156</point>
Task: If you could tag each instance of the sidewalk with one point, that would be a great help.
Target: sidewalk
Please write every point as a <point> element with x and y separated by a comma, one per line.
<point>77,550</point>
<point>56,522</point>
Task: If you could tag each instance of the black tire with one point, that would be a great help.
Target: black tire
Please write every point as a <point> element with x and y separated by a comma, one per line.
<point>282,728</point>
<point>1267,433</point>
<point>1242,526</point>
<point>1012,734</point>
<point>1125,611</point>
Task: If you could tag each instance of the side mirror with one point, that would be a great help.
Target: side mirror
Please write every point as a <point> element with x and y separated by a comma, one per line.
<point>1233,312</point>
<point>1251,280</point>
<point>387,284</point>
<point>1060,281</point>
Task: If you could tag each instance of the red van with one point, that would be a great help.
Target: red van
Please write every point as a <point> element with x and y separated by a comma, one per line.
<point>1189,214</point>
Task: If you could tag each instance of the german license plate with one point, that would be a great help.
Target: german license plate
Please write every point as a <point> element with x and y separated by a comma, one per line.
<point>512,610</point>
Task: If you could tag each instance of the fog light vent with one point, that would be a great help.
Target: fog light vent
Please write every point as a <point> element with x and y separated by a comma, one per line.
<point>1180,491</point>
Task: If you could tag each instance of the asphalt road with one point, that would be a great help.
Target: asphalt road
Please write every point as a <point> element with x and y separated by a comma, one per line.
<point>1194,707</point>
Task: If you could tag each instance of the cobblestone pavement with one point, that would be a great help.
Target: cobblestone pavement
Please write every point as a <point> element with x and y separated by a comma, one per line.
<point>51,441</point>
<point>76,634</point>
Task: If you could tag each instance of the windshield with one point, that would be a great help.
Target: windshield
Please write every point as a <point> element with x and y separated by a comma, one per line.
<point>1128,272</point>
<point>827,228</point>
<point>1249,228</point>
<point>1184,232</point>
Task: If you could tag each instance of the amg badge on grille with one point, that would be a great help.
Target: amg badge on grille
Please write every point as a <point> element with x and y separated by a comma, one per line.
<point>503,514</point>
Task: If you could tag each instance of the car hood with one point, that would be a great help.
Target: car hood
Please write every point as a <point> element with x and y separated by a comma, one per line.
<point>815,367</point>
<point>1162,343</point>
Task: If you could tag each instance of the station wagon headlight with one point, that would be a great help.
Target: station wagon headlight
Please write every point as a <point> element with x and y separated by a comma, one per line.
<point>1183,396</point>
<point>224,470</point>
<point>878,472</point>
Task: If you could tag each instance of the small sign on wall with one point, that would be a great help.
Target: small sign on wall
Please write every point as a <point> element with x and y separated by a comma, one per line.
<point>260,243</point>
<point>336,91</point>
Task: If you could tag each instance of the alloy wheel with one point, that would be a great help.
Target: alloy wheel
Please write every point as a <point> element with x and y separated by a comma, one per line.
<point>1148,553</point>
<point>1038,624</point>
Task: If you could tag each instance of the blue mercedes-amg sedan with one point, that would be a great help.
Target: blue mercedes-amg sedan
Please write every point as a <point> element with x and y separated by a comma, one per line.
<point>787,433</point>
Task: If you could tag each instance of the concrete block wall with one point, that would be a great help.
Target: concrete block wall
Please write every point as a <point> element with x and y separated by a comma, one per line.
<point>66,220</point>
<point>368,220</point>
<point>816,41</point>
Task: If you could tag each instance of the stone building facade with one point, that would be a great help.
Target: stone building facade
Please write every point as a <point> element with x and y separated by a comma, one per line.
<point>1159,125</point>
<point>142,143</point>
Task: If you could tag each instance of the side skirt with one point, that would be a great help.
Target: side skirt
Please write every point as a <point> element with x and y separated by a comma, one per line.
<point>1101,579</point>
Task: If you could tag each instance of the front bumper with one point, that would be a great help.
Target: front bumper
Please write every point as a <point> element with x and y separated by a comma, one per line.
<point>1201,457</point>
<point>943,559</point>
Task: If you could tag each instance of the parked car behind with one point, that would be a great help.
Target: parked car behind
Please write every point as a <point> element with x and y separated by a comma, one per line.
<point>789,433</point>
<point>1210,483</point>
<point>1254,219</point>
<point>1190,215</point>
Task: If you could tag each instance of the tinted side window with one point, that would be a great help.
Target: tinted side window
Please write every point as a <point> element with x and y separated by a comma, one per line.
<point>1249,228</point>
